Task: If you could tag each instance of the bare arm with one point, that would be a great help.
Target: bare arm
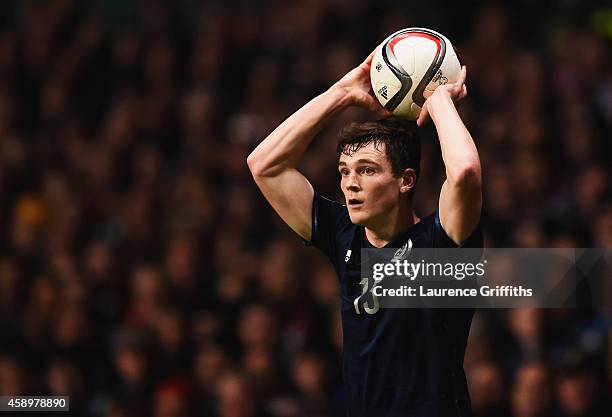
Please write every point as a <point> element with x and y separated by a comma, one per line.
<point>274,162</point>
<point>461,195</point>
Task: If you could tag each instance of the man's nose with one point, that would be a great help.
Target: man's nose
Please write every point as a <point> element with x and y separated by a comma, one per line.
<point>352,184</point>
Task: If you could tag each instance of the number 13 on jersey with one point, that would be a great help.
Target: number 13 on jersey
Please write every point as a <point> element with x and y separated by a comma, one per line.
<point>369,306</point>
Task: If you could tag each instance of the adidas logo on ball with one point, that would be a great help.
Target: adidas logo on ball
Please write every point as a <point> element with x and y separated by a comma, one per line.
<point>383,92</point>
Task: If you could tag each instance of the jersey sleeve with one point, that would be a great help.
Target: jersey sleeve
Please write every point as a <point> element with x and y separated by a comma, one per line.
<point>329,219</point>
<point>442,240</point>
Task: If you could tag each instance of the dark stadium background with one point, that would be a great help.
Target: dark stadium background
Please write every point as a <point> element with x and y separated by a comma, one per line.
<point>142,273</point>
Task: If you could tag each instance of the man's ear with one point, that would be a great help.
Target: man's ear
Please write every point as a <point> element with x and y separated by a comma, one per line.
<point>408,180</point>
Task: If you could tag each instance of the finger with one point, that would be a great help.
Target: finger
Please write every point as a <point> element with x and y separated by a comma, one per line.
<point>368,60</point>
<point>422,120</point>
<point>462,76</point>
<point>377,108</point>
<point>381,111</point>
<point>423,115</point>
<point>462,93</point>
<point>369,102</point>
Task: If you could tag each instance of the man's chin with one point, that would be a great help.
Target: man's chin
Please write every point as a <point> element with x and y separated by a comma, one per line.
<point>360,219</point>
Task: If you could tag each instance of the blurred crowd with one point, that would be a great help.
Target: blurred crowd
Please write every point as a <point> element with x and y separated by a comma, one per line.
<point>142,274</point>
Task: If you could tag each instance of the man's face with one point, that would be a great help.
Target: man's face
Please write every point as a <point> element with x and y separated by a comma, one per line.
<point>370,189</point>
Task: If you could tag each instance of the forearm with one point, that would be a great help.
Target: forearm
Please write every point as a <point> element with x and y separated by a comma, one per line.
<point>284,147</point>
<point>459,152</point>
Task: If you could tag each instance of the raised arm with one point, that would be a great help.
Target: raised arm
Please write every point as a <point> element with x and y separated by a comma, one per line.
<point>274,162</point>
<point>461,195</point>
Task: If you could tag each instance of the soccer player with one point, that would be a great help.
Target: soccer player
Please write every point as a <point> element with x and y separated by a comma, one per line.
<point>396,362</point>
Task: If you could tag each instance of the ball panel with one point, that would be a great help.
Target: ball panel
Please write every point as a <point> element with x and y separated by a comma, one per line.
<point>425,54</point>
<point>417,53</point>
<point>415,109</point>
<point>385,84</point>
<point>408,111</point>
<point>448,73</point>
<point>404,54</point>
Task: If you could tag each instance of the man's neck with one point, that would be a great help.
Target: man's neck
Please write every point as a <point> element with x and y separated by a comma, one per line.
<point>395,225</point>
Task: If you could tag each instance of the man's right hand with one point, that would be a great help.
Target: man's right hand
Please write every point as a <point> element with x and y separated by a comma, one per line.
<point>357,88</point>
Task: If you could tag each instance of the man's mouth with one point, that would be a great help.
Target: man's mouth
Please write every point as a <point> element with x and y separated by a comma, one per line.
<point>355,203</point>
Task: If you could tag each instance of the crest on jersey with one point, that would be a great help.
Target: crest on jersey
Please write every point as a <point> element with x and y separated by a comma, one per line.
<point>403,252</point>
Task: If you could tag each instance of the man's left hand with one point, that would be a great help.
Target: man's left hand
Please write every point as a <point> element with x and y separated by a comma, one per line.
<point>457,91</point>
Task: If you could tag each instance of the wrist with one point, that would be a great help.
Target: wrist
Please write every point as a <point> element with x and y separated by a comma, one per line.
<point>340,95</point>
<point>440,104</point>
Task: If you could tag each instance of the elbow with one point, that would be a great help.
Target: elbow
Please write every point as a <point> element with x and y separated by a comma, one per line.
<point>468,176</point>
<point>262,166</point>
<point>254,164</point>
<point>251,161</point>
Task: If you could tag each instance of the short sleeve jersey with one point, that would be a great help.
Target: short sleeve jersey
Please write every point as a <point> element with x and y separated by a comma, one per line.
<point>396,362</point>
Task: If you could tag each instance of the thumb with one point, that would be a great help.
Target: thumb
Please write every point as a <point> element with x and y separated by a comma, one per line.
<point>374,106</point>
<point>423,115</point>
<point>368,60</point>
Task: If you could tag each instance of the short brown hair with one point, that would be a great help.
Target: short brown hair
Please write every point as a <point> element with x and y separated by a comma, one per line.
<point>400,137</point>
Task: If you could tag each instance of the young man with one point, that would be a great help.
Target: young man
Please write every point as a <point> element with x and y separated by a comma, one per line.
<point>396,362</point>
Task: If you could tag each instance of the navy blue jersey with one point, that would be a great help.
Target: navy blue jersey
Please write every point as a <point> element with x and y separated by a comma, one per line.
<point>396,362</point>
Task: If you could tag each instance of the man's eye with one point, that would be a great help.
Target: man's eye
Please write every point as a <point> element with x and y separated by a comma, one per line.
<point>344,172</point>
<point>368,170</point>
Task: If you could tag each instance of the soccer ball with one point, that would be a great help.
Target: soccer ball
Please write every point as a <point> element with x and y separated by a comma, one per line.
<point>408,66</point>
